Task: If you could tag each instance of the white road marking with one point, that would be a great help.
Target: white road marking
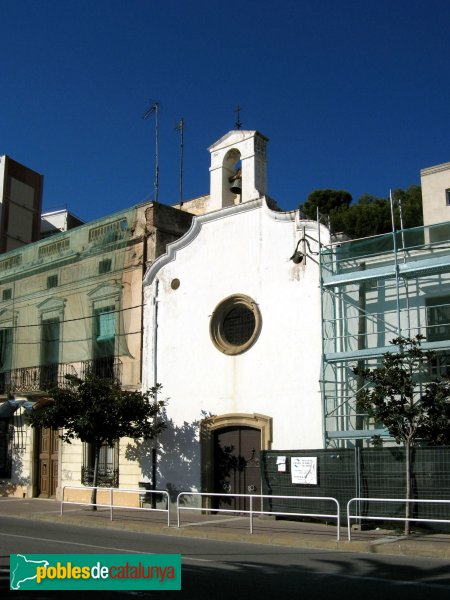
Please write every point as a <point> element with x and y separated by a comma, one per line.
<point>125,550</point>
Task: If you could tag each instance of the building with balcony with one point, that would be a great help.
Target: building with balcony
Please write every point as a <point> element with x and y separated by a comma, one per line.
<point>69,304</point>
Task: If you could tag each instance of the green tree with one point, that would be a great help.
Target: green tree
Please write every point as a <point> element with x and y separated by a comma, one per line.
<point>367,217</point>
<point>326,201</point>
<point>99,412</point>
<point>411,202</point>
<point>437,402</point>
<point>400,396</point>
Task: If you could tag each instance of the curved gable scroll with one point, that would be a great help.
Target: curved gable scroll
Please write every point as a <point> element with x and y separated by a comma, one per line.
<point>192,233</point>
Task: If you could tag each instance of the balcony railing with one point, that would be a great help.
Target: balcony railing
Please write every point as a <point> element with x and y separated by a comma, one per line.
<point>108,367</point>
<point>35,379</point>
<point>39,378</point>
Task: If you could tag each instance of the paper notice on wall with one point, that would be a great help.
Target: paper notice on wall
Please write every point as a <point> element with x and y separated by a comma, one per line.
<point>304,469</point>
<point>281,464</point>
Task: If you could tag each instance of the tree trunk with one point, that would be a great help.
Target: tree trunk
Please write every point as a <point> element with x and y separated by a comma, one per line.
<point>408,485</point>
<point>95,477</point>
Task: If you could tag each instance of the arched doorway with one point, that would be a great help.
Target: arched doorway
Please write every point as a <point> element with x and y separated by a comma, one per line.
<point>231,446</point>
<point>236,465</point>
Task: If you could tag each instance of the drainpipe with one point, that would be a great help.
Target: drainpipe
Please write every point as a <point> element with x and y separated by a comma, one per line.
<point>155,333</point>
<point>155,381</point>
<point>322,361</point>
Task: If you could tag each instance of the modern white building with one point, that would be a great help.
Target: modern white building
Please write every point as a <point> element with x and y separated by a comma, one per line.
<point>55,221</point>
<point>435,182</point>
<point>232,329</point>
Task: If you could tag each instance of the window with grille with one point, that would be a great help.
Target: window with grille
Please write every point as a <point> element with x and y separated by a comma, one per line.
<point>7,294</point>
<point>235,324</point>
<point>108,465</point>
<point>238,325</point>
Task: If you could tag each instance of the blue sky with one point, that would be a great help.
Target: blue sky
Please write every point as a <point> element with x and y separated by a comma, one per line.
<point>352,95</point>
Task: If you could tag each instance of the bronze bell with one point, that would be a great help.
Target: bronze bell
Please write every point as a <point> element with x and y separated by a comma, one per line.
<point>236,182</point>
<point>236,186</point>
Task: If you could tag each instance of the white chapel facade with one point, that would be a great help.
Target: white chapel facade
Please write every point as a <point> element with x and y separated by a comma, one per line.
<point>232,330</point>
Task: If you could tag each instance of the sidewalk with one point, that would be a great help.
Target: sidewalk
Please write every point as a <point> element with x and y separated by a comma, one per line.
<point>222,527</point>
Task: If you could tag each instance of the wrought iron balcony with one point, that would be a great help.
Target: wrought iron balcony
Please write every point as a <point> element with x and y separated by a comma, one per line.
<point>40,378</point>
<point>35,379</point>
<point>109,367</point>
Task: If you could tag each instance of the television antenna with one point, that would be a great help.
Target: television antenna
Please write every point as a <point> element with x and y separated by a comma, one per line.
<point>153,109</point>
<point>180,127</point>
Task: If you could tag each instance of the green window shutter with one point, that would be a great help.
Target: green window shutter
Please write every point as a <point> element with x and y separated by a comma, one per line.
<point>106,326</point>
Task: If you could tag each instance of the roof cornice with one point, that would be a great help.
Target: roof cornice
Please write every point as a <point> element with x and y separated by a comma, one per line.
<point>435,169</point>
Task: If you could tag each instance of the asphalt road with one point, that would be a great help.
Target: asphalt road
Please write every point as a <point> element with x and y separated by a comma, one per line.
<point>229,570</point>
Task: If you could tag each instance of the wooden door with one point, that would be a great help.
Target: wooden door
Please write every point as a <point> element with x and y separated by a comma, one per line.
<point>236,465</point>
<point>48,463</point>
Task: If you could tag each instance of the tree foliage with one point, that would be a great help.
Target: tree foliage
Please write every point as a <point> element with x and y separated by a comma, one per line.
<point>393,395</point>
<point>436,399</point>
<point>327,201</point>
<point>401,397</point>
<point>99,412</point>
<point>369,216</point>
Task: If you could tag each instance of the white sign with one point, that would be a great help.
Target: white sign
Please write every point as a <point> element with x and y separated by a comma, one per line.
<point>304,469</point>
<point>281,464</point>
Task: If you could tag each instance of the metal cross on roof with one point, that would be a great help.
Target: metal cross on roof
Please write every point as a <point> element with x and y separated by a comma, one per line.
<point>238,123</point>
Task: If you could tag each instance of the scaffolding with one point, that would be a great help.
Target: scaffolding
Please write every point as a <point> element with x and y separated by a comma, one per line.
<point>374,290</point>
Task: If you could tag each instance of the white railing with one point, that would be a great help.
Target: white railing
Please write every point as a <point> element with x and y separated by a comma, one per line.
<point>253,511</point>
<point>111,504</point>
<point>386,518</point>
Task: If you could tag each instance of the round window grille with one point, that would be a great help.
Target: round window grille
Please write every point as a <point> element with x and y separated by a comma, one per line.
<point>235,324</point>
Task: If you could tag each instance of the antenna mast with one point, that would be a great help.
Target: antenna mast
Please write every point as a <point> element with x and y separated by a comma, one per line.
<point>180,128</point>
<point>154,109</point>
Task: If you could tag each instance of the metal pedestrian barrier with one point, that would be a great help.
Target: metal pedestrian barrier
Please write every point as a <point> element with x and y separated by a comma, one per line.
<point>387,518</point>
<point>111,505</point>
<point>251,512</point>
